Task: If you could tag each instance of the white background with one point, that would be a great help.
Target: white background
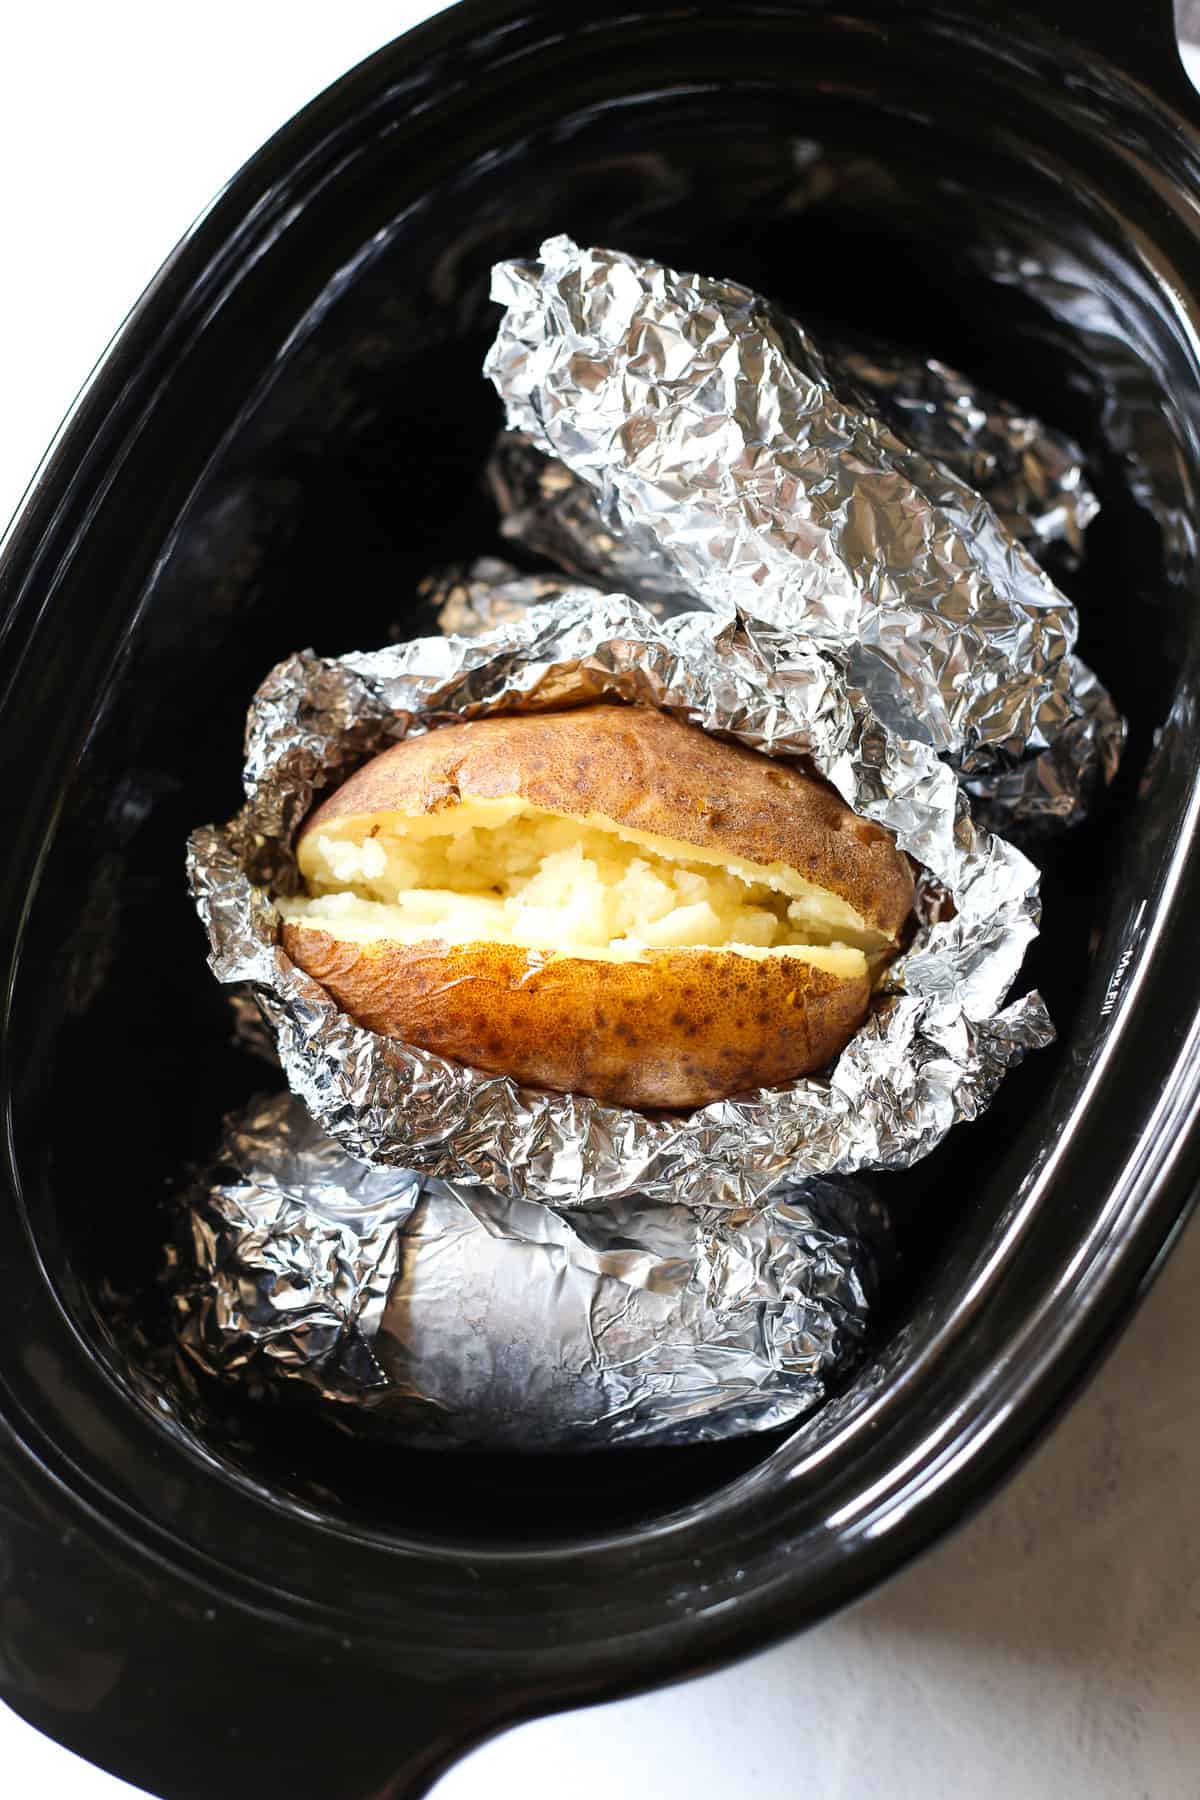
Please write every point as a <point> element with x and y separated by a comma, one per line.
<point>1050,1651</point>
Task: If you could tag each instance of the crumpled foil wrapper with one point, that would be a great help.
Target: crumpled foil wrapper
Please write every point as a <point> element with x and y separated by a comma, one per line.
<point>481,596</point>
<point>1033,476</point>
<point>470,598</point>
<point>454,1317</point>
<point>720,448</point>
<point>931,1052</point>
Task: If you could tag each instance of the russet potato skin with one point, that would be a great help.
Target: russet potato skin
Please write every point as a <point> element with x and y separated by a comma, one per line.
<point>646,771</point>
<point>678,1030</point>
<point>683,1026</point>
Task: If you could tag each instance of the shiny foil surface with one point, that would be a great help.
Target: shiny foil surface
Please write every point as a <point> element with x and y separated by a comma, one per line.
<point>1033,476</point>
<point>931,1052</point>
<point>724,451</point>
<point>454,1317</point>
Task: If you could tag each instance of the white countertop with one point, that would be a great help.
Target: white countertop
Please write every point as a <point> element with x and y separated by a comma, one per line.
<point>1047,1652</point>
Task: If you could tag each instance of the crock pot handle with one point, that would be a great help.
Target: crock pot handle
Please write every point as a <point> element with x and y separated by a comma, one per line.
<point>1142,42</point>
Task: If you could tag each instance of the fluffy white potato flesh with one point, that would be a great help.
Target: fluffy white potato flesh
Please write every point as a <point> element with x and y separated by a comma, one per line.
<point>502,871</point>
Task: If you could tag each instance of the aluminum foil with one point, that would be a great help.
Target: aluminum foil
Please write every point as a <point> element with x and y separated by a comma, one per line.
<point>476,598</point>
<point>931,1052</point>
<point>1033,476</point>
<point>471,599</point>
<point>455,1317</point>
<point>548,510</point>
<point>719,447</point>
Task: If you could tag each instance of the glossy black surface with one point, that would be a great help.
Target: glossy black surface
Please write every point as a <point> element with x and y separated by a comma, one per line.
<point>286,436</point>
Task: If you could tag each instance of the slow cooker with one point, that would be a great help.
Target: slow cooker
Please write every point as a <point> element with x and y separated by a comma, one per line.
<point>286,435</point>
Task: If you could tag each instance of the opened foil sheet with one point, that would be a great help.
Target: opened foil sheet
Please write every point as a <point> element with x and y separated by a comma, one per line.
<point>722,451</point>
<point>931,1052</point>
<point>451,1316</point>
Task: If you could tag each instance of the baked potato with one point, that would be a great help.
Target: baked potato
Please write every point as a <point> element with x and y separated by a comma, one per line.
<point>603,901</point>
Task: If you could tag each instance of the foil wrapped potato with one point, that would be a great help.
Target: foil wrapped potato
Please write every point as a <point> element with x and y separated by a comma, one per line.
<point>601,901</point>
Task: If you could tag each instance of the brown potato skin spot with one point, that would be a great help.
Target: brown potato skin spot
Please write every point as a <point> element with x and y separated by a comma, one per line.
<point>642,769</point>
<point>495,1007</point>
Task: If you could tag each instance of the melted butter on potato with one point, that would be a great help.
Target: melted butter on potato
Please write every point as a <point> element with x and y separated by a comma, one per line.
<point>504,872</point>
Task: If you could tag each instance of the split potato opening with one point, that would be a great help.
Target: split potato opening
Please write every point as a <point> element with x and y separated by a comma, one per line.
<point>504,872</point>
<point>604,901</point>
